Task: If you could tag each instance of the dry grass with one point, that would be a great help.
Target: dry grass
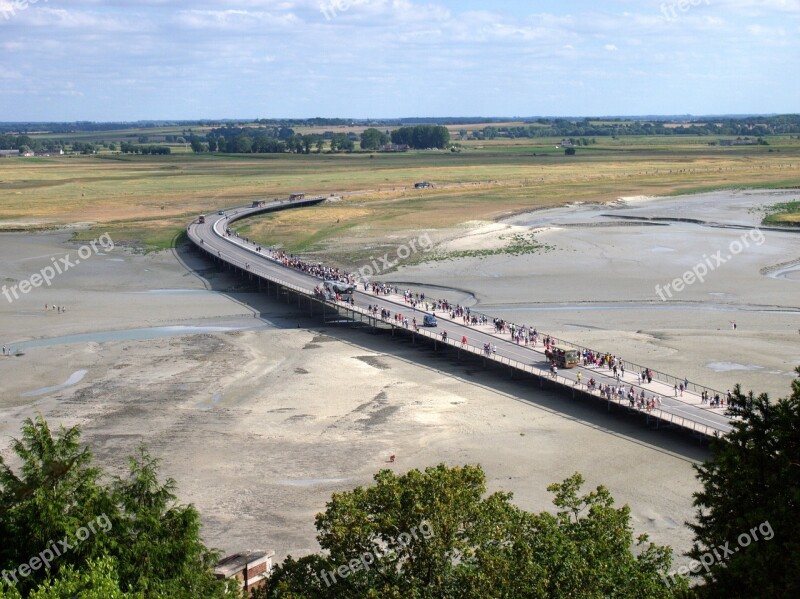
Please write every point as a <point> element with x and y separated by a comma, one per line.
<point>148,200</point>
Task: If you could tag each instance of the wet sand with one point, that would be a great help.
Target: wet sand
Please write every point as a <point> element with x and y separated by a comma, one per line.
<point>259,420</point>
<point>598,286</point>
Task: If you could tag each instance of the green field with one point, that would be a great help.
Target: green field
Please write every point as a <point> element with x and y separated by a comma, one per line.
<point>146,201</point>
<point>785,214</point>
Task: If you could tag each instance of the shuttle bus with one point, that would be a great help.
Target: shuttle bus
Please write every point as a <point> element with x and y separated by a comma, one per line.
<point>564,357</point>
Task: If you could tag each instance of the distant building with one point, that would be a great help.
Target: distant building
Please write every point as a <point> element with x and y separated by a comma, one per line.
<point>395,148</point>
<point>250,568</point>
<point>8,153</point>
<point>738,142</point>
<point>51,152</point>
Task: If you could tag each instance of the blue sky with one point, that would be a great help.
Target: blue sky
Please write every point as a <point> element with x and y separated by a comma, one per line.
<point>98,60</point>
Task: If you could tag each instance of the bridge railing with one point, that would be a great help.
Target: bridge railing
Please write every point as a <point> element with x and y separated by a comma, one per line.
<point>539,353</point>
<point>534,370</point>
<point>657,413</point>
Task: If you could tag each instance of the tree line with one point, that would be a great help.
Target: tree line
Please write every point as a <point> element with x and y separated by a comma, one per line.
<point>753,127</point>
<point>245,140</point>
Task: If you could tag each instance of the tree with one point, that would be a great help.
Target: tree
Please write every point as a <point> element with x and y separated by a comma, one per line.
<point>569,152</point>
<point>422,136</point>
<point>198,147</point>
<point>135,532</point>
<point>373,139</point>
<point>97,581</point>
<point>434,534</point>
<point>308,140</point>
<point>747,528</point>
<point>340,141</point>
<point>159,541</point>
<point>55,494</point>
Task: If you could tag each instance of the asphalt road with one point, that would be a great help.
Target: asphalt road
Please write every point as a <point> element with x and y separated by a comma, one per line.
<point>684,411</point>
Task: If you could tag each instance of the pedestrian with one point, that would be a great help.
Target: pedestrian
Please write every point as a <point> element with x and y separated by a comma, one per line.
<point>676,389</point>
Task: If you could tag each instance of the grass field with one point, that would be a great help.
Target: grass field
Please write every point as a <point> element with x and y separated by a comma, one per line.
<point>786,214</point>
<point>146,201</point>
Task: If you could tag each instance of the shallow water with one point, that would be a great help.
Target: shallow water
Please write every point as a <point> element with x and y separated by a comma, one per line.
<point>133,335</point>
<point>75,378</point>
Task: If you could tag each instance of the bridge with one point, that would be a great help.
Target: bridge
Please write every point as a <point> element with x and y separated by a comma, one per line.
<point>685,412</point>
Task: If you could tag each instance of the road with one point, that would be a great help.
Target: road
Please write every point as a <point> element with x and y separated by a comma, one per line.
<point>686,410</point>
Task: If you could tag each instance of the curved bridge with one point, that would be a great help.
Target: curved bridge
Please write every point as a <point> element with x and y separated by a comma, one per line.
<point>684,412</point>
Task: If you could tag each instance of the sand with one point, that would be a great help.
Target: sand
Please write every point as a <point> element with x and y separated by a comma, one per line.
<point>598,286</point>
<point>260,413</point>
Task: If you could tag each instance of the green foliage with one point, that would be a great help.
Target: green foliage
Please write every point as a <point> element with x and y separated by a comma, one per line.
<point>422,137</point>
<point>784,213</point>
<point>373,139</point>
<point>97,581</point>
<point>159,547</point>
<point>435,534</point>
<point>340,141</point>
<point>56,493</point>
<point>752,478</point>
<point>137,538</point>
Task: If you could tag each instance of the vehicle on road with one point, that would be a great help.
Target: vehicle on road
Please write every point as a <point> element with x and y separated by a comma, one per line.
<point>562,356</point>
<point>429,320</point>
<point>344,290</point>
<point>221,213</point>
<point>422,185</point>
<point>202,219</point>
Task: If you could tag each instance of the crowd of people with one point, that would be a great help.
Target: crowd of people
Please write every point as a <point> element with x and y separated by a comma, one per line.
<point>520,334</point>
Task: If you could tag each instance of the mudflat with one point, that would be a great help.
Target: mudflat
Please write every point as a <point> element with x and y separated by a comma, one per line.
<point>260,413</point>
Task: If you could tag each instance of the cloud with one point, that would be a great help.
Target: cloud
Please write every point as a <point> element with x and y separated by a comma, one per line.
<point>174,58</point>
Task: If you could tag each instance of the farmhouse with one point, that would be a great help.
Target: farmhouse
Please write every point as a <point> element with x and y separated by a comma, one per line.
<point>738,142</point>
<point>250,568</point>
<point>8,153</point>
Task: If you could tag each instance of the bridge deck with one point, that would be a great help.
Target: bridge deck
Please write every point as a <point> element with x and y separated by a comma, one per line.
<point>686,411</point>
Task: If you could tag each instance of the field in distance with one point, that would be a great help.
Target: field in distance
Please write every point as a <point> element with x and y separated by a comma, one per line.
<point>146,201</point>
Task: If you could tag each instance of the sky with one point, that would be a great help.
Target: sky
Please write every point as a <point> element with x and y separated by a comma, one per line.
<point>113,60</point>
